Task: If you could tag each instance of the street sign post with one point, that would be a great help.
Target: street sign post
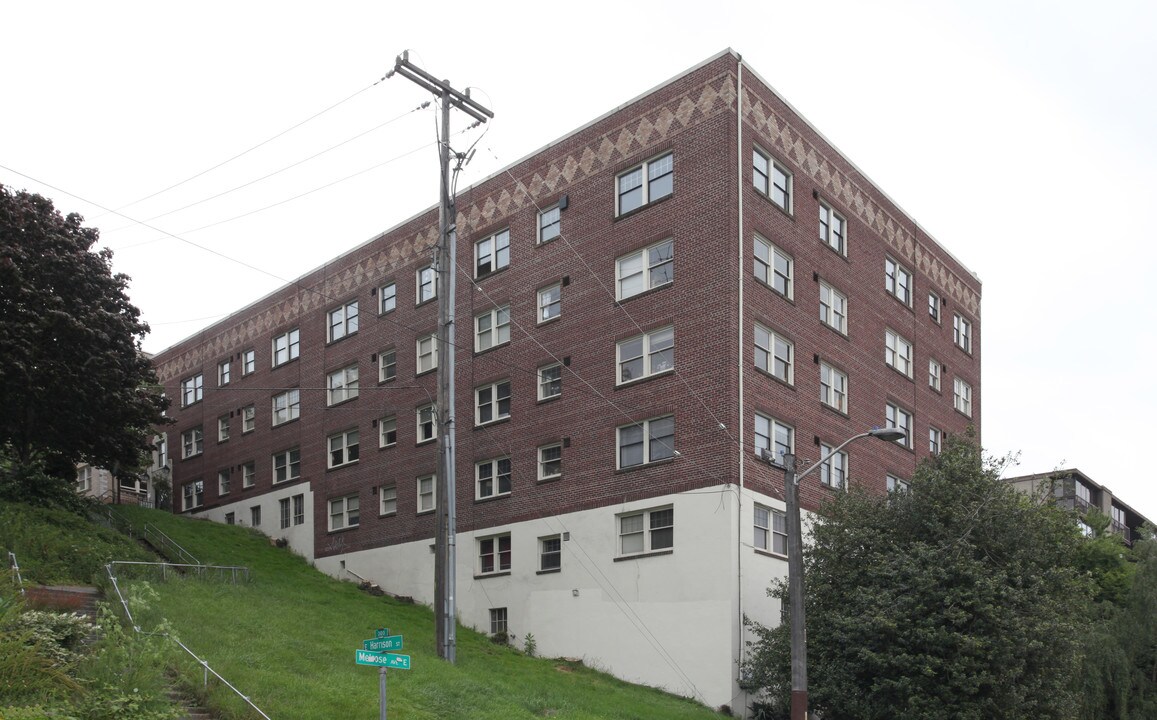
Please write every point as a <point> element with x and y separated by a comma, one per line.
<point>372,655</point>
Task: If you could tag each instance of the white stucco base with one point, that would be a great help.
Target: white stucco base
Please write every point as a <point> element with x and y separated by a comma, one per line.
<point>299,537</point>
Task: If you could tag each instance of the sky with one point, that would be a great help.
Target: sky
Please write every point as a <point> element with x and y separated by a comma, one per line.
<point>1019,134</point>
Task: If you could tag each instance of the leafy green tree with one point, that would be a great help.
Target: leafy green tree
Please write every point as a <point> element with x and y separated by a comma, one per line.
<point>958,599</point>
<point>74,383</point>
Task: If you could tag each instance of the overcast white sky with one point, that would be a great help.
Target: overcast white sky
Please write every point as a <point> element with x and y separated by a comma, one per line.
<point>1020,134</point>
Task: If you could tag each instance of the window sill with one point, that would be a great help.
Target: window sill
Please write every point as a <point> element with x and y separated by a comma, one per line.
<point>387,447</point>
<point>387,312</point>
<point>342,402</point>
<point>247,487</point>
<point>190,457</point>
<point>343,465</point>
<point>779,380</point>
<point>548,572</point>
<point>491,423</point>
<point>335,341</point>
<point>834,410</point>
<point>491,348</point>
<point>387,380</point>
<point>769,553</point>
<point>389,514</point>
<point>552,398</point>
<point>287,422</point>
<point>653,463</point>
<point>340,530</point>
<point>431,511</point>
<point>427,301</point>
<point>841,254</point>
<point>552,478</point>
<point>966,352</point>
<point>644,293</point>
<point>425,442</point>
<point>645,378</point>
<point>550,320</point>
<point>788,298</point>
<point>835,330</point>
<point>491,498</point>
<point>633,212</point>
<point>962,414</point>
<point>420,373</point>
<point>483,576</point>
<point>290,361</point>
<point>287,481</point>
<point>898,300</point>
<point>767,198</point>
<point>490,274</point>
<point>899,372</point>
<point>637,556</point>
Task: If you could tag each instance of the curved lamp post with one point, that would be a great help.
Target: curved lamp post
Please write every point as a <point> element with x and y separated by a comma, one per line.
<point>795,559</point>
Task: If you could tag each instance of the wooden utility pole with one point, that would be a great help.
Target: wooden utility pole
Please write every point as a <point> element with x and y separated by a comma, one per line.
<point>445,556</point>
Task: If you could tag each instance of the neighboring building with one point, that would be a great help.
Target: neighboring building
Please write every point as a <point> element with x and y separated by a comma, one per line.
<point>643,305</point>
<point>1072,489</point>
<point>100,484</point>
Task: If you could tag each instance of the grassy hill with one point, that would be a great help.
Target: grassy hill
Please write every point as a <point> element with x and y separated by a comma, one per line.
<point>287,639</point>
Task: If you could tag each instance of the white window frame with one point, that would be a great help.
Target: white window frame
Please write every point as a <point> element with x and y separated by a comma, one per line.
<point>550,462</point>
<point>651,185</point>
<point>84,479</point>
<point>772,179</point>
<point>223,428</point>
<point>284,512</point>
<point>344,512</point>
<point>388,500</point>
<point>549,303</point>
<point>498,618</point>
<point>770,347</point>
<point>898,281</point>
<point>248,362</point>
<point>550,381</point>
<point>387,298</point>
<point>299,509</point>
<point>425,285</point>
<point>427,428</point>
<point>549,224</point>
<point>494,404</point>
<point>342,321</point>
<point>833,229</point>
<point>833,308</point>
<point>494,252</point>
<point>493,472</point>
<point>654,447</point>
<point>551,547</point>
<point>895,484</point>
<point>770,530</point>
<point>770,434</point>
<point>492,328</point>
<point>898,352</point>
<point>935,439</point>
<point>649,534</point>
<point>647,266</point>
<point>491,547</point>
<point>387,427</point>
<point>343,448</point>
<point>291,467</point>
<point>834,470</point>
<point>248,419</point>
<point>255,516</point>
<point>962,396</point>
<point>962,332</point>
<point>901,419</point>
<point>289,407</point>
<point>248,474</point>
<point>192,442</point>
<point>934,374</point>
<point>192,390</point>
<point>285,347</point>
<point>192,495</point>
<point>833,387</point>
<point>224,372</point>
<point>387,365</point>
<point>655,354</point>
<point>934,307</point>
<point>426,353</point>
<point>427,487</point>
<point>342,385</point>
<point>773,267</point>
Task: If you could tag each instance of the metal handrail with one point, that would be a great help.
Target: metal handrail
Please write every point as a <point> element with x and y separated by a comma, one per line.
<point>198,569</point>
<point>163,542</point>
<point>16,571</point>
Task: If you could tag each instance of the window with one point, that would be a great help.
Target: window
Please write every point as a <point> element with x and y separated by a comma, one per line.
<point>343,321</point>
<point>834,472</point>
<point>934,374</point>
<point>387,365</point>
<point>492,478</point>
<point>549,224</point>
<point>427,423</point>
<point>255,516</point>
<point>426,493</point>
<point>222,428</point>
<point>192,443</point>
<point>343,385</point>
<point>647,531</point>
<point>193,495</point>
<point>248,475</point>
<point>248,418</point>
<point>230,518</point>
<point>192,390</point>
<point>934,307</point>
<point>773,435</point>
<point>286,406</point>
<point>224,371</point>
<point>497,620</point>
<point>343,448</point>
<point>773,267</point>
<point>492,328</point>
<point>298,509</point>
<point>343,513</point>
<point>286,465</point>
<point>773,354</point>
<point>388,431</point>
<point>388,500</point>
<point>248,362</point>
<point>832,230</point>
<point>899,418</point>
<point>550,462</point>
<point>645,183</point>
<point>646,355</point>
<point>223,477</point>
<point>934,440</point>
<point>494,554</point>
<point>833,308</point>
<point>770,530</point>
<point>427,285</point>
<point>550,553</point>
<point>549,302</point>
<point>387,298</point>
<point>962,396</point>
<point>549,381</point>
<point>492,253</point>
<point>646,269</point>
<point>898,281</point>
<point>898,353</point>
<point>647,442</point>
<point>286,347</point>
<point>427,350</point>
<point>492,402</point>
<point>962,333</point>
<point>84,479</point>
<point>833,388</point>
<point>771,179</point>
<point>284,512</point>
<point>895,484</point>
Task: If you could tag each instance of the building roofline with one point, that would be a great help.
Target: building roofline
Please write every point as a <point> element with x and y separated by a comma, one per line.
<point>1069,472</point>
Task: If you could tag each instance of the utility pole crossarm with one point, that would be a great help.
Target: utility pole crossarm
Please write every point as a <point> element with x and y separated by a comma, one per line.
<point>420,77</point>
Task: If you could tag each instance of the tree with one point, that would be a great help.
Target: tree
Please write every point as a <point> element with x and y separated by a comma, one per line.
<point>74,382</point>
<point>957,599</point>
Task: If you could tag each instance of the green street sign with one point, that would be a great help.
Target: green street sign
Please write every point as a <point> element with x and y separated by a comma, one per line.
<point>393,642</point>
<point>382,632</point>
<point>389,660</point>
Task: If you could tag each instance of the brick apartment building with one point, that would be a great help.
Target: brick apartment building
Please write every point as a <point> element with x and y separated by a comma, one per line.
<point>641,306</point>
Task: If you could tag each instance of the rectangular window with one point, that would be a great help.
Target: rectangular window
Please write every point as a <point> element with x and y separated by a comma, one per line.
<point>895,484</point>
<point>646,269</point>
<point>646,355</point>
<point>833,388</point>
<point>771,179</point>
<point>770,530</point>
<point>343,448</point>
<point>832,228</point>
<point>934,439</point>
<point>550,553</point>
<point>222,428</point>
<point>84,479</point>
<point>934,307</point>
<point>427,285</point>
<point>224,372</point>
<point>549,224</point>
<point>898,353</point>
<point>497,620</point>
<point>192,442</point>
<point>647,442</point>
<point>248,362</point>
<point>898,281</point>
<point>899,418</point>
<point>248,418</point>
<point>298,509</point>
<point>549,302</point>
<point>286,465</point>
<point>223,477</point>
<point>255,516</point>
<point>962,396</point>
<point>647,531</point>
<point>774,354</point>
<point>492,478</point>
<point>387,365</point>
<point>550,462</point>
<point>492,328</point>
<point>248,475</point>
<point>387,298</point>
<point>286,347</point>
<point>833,308</point>
<point>962,333</point>
<point>388,431</point>
<point>343,321</point>
<point>834,472</point>
<point>286,406</point>
<point>492,402</point>
<point>549,381</point>
<point>427,498</point>
<point>773,435</point>
<point>934,374</point>
<point>388,500</point>
<point>192,390</point>
<point>193,495</point>
<point>427,352</point>
<point>230,518</point>
<point>646,183</point>
<point>343,385</point>
<point>343,513</point>
<point>493,554</point>
<point>773,267</point>
<point>427,423</point>
<point>284,512</point>
<point>492,253</point>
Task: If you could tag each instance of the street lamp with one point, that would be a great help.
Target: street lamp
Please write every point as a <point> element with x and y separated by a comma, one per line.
<point>795,560</point>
